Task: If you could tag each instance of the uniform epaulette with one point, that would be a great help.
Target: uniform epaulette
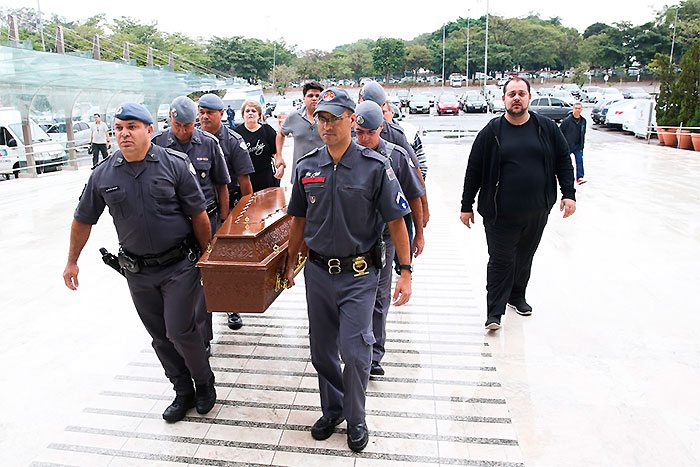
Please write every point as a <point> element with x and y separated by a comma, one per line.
<point>400,149</point>
<point>396,127</point>
<point>175,153</point>
<point>233,133</point>
<point>372,154</point>
<point>157,134</point>
<point>206,133</point>
<point>309,154</point>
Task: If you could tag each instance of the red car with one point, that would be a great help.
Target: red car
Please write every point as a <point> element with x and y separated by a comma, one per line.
<point>447,104</point>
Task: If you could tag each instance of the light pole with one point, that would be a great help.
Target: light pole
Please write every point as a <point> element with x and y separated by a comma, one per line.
<point>467,76</point>
<point>673,42</point>
<point>443,55</point>
<point>486,47</point>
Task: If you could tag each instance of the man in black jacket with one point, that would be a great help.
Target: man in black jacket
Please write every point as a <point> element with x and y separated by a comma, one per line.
<point>574,129</point>
<point>514,164</point>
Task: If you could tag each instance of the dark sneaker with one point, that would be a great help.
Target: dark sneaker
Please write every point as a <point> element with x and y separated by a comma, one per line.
<point>234,321</point>
<point>521,307</point>
<point>376,369</point>
<point>358,437</point>
<point>493,325</point>
<point>178,409</point>
<point>205,396</point>
<point>324,427</point>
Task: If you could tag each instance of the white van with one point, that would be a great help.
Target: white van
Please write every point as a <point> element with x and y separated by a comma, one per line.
<point>235,97</point>
<point>48,155</point>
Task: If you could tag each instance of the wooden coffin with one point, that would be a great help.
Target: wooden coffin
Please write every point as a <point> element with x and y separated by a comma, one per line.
<point>241,273</point>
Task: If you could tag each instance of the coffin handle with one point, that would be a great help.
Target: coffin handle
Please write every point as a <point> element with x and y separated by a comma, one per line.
<point>284,283</point>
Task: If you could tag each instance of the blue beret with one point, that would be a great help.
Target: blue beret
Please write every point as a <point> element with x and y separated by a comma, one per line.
<point>211,101</point>
<point>369,115</point>
<point>373,91</point>
<point>183,109</point>
<point>133,111</point>
<point>334,101</point>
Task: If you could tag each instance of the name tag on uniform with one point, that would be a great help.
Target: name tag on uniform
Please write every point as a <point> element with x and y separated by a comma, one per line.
<point>306,180</point>
<point>110,189</point>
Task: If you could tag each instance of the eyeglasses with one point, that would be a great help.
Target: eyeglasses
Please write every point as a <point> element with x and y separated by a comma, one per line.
<point>329,121</point>
<point>361,132</point>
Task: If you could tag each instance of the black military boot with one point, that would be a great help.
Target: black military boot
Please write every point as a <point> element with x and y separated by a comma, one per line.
<point>178,409</point>
<point>235,321</point>
<point>205,395</point>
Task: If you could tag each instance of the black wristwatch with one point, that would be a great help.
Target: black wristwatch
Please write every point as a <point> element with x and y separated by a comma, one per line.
<point>407,267</point>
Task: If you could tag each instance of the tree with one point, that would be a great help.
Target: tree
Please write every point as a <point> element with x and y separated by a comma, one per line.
<point>666,108</point>
<point>284,75</point>
<point>687,88</point>
<point>388,55</point>
<point>312,64</point>
<point>418,56</point>
<point>358,57</point>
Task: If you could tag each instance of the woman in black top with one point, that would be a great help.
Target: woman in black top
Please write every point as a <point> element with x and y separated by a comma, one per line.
<point>260,140</point>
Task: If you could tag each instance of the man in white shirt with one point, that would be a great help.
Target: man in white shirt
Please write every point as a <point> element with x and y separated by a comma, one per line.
<point>99,139</point>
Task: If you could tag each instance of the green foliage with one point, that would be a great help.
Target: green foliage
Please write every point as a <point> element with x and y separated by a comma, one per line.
<point>579,78</point>
<point>666,109</point>
<point>388,55</point>
<point>358,58</point>
<point>687,89</point>
<point>284,75</point>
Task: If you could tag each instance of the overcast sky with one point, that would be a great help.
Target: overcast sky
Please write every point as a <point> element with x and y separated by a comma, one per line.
<point>337,23</point>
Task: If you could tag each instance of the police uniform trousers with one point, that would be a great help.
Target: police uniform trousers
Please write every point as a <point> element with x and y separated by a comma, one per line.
<point>165,298</point>
<point>382,302</point>
<point>512,240</point>
<point>340,320</point>
<point>202,316</point>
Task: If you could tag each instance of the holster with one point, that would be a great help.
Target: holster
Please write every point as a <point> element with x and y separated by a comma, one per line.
<point>378,253</point>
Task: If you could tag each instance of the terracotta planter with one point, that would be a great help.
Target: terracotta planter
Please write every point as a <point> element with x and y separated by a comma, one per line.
<point>660,135</point>
<point>696,141</point>
<point>670,138</point>
<point>684,139</point>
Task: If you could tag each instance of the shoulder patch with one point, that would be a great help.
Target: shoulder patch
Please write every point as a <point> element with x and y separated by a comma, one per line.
<point>372,154</point>
<point>311,153</point>
<point>175,153</point>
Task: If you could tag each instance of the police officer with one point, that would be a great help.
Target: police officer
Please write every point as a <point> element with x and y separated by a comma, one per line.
<point>211,111</point>
<point>152,193</point>
<point>340,193</point>
<point>211,171</point>
<point>368,126</point>
<point>231,117</point>
<point>393,133</point>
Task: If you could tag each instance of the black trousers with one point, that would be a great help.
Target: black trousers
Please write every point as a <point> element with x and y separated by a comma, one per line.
<point>512,241</point>
<point>98,149</point>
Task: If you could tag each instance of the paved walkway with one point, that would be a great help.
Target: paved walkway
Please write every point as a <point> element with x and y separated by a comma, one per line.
<point>604,373</point>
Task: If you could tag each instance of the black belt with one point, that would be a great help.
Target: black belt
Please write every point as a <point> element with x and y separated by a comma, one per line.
<point>134,263</point>
<point>356,263</point>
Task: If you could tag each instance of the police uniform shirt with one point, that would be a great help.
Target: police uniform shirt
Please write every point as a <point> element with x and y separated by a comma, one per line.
<point>305,133</point>
<point>205,154</point>
<point>393,133</point>
<point>149,201</point>
<point>404,169</point>
<point>235,153</point>
<point>344,203</point>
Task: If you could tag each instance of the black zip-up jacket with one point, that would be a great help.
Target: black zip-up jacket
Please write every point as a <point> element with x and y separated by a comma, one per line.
<point>573,131</point>
<point>484,166</point>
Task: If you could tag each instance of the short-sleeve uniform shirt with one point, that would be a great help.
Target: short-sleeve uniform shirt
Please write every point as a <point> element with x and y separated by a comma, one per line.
<point>404,169</point>
<point>205,154</point>
<point>344,203</point>
<point>305,133</point>
<point>393,133</point>
<point>150,201</point>
<point>235,154</point>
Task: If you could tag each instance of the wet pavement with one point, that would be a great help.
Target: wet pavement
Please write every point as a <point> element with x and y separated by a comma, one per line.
<point>604,372</point>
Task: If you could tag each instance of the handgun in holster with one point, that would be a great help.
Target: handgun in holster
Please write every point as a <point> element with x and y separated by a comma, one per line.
<point>112,261</point>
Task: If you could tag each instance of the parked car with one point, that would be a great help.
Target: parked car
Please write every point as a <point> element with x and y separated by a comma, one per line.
<point>601,109</point>
<point>612,93</point>
<point>551,107</point>
<point>419,103</point>
<point>545,91</point>
<point>565,96</point>
<point>431,98</point>
<point>591,94</point>
<point>474,103</point>
<point>635,93</point>
<point>497,105</point>
<point>271,104</point>
<point>573,89</point>
<point>447,104</point>
<point>283,108</point>
<point>619,112</point>
<point>48,154</point>
<point>81,134</point>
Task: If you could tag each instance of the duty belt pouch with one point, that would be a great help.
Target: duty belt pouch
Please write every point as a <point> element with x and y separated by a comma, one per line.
<point>379,254</point>
<point>128,263</point>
